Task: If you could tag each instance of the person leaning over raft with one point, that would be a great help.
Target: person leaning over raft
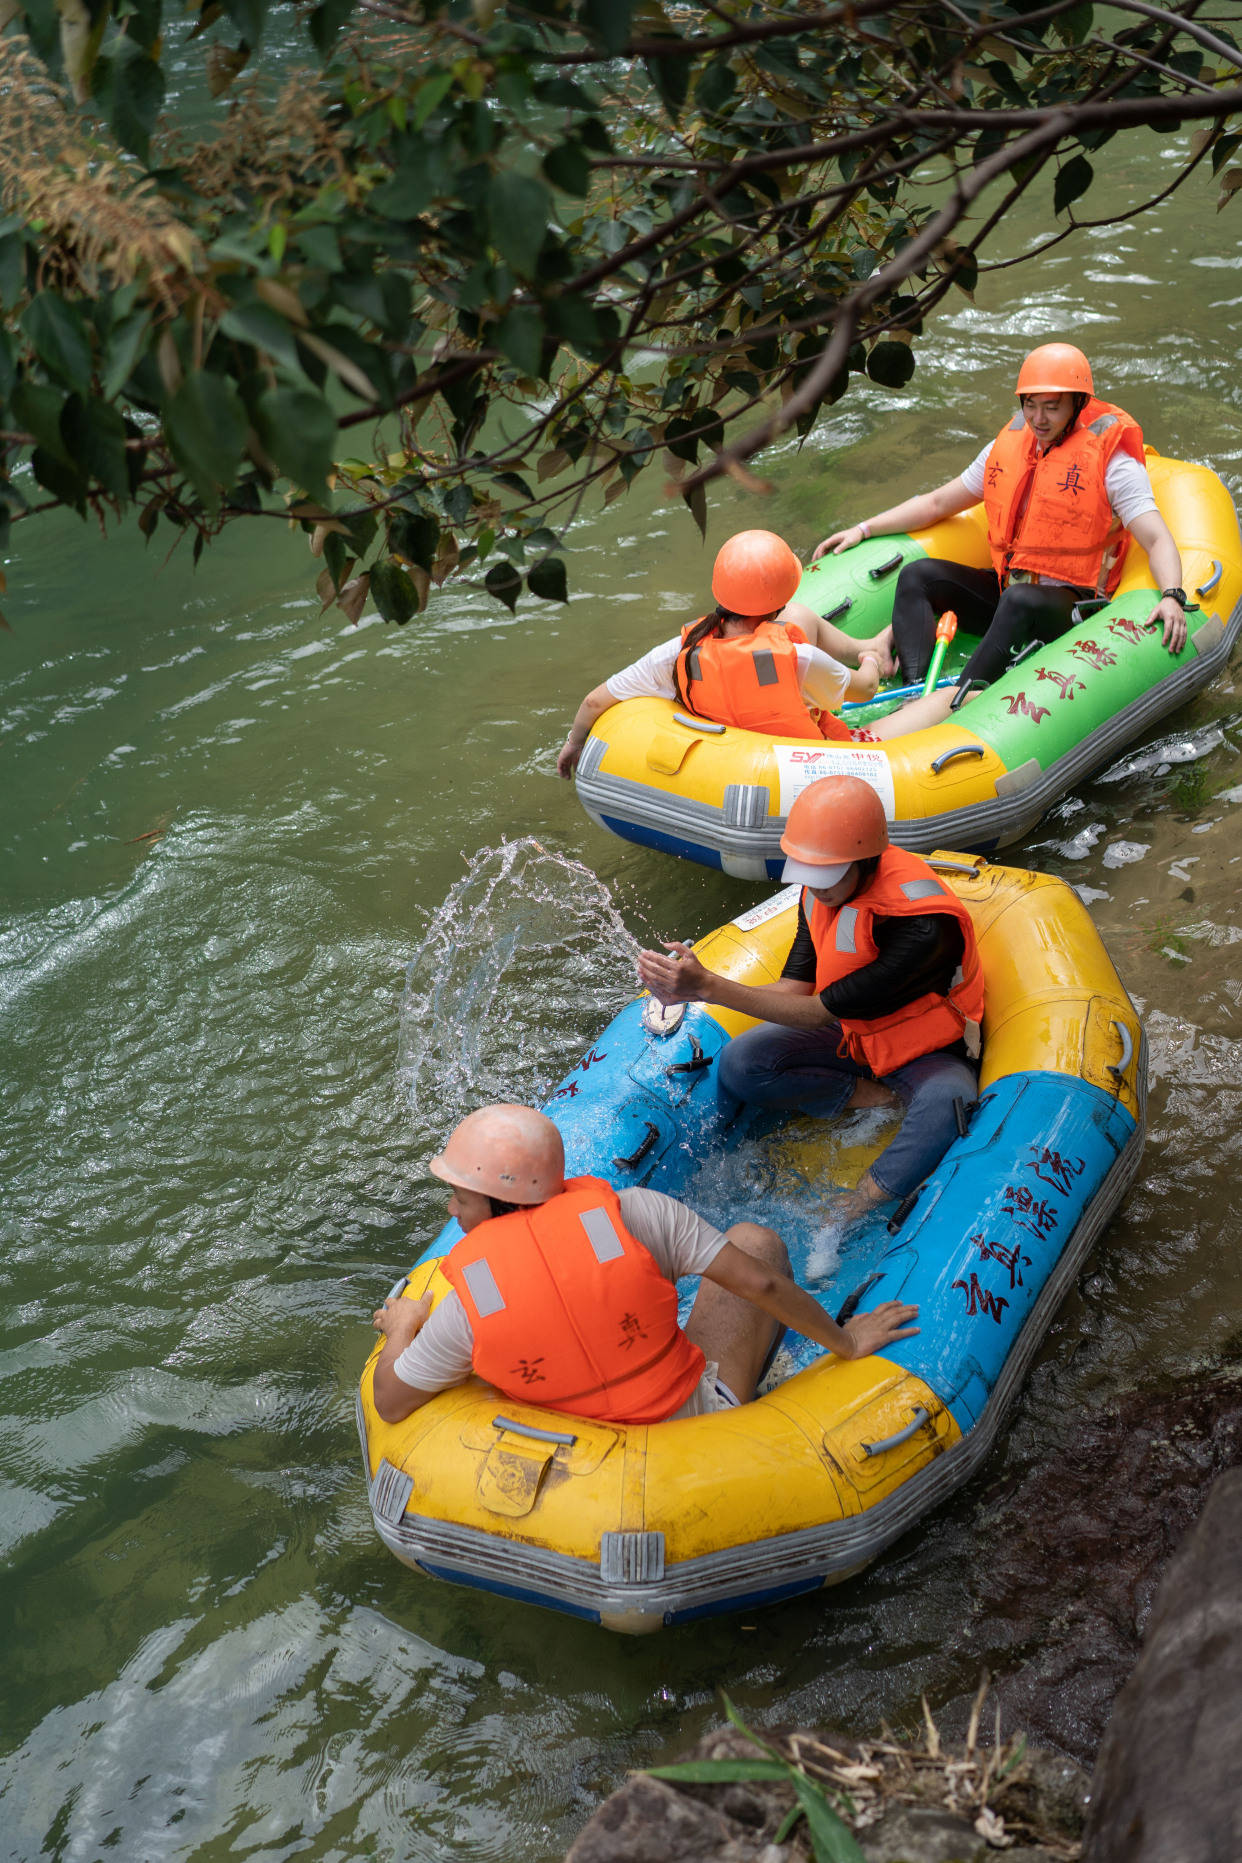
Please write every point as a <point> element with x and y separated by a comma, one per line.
<point>564,1296</point>
<point>1064,486</point>
<point>760,661</point>
<point>880,999</point>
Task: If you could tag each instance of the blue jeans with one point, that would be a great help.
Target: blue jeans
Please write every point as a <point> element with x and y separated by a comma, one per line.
<point>800,1069</point>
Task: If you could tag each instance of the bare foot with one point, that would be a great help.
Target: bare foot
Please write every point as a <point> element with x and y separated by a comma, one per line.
<point>859,1202</point>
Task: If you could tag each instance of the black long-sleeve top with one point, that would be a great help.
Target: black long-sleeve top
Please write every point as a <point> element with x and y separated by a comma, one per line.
<point>915,955</point>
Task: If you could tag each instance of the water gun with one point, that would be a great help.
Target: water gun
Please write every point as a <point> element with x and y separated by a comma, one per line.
<point>946,628</point>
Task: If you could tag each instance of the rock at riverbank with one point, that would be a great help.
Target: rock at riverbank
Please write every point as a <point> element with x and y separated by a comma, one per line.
<point>1168,1782</point>
<point>922,1805</point>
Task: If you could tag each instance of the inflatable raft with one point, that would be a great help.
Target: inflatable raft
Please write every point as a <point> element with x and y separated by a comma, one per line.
<point>718,795</point>
<point>635,1527</point>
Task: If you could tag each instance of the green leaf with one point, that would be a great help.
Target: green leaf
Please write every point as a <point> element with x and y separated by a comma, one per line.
<point>431,94</point>
<point>717,84</point>
<point>206,427</point>
<point>63,480</point>
<point>94,433</point>
<point>131,89</point>
<point>548,580</point>
<point>258,324</point>
<point>1072,180</point>
<point>326,22</point>
<point>568,166</point>
<point>37,407</point>
<point>720,1772</point>
<point>124,345</point>
<point>520,335</point>
<point>247,16</point>
<point>393,593</point>
<point>505,584</point>
<point>891,364</point>
<point>298,428</point>
<point>1075,23</point>
<point>519,208</point>
<point>414,535</point>
<point>831,1840</point>
<point>1222,149</point>
<point>671,77</point>
<point>59,334</point>
<point>609,21</point>
<point>12,268</point>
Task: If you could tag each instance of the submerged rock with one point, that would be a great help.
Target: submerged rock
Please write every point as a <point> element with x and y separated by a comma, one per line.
<point>923,1804</point>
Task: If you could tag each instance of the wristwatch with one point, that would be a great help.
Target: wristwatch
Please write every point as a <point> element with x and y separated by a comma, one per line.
<point>1178,595</point>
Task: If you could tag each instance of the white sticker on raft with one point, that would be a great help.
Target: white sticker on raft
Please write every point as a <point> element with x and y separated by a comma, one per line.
<point>800,764</point>
<point>768,909</point>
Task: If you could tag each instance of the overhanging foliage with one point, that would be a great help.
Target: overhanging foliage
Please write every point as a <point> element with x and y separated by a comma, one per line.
<point>474,262</point>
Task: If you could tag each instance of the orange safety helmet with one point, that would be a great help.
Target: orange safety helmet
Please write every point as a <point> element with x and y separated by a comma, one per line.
<point>509,1152</point>
<point>755,573</point>
<point>833,822</point>
<point>1055,369</point>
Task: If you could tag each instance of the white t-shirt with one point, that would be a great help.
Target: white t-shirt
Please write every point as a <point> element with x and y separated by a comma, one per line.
<point>823,681</point>
<point>680,1242</point>
<point>1125,481</point>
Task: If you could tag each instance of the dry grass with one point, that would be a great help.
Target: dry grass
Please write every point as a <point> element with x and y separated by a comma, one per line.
<point>101,221</point>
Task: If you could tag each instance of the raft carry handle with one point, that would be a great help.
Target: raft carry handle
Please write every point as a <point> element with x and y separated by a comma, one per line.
<point>842,608</point>
<point>962,750</point>
<point>1213,579</point>
<point>699,724</point>
<point>912,1428</point>
<point>1118,1068</point>
<point>528,1429</point>
<point>636,1157</point>
<point>883,569</point>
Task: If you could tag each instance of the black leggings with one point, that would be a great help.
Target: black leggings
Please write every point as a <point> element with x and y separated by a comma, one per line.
<point>1026,611</point>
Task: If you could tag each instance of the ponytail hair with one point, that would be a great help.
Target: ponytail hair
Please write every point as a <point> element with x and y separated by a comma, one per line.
<point>709,625</point>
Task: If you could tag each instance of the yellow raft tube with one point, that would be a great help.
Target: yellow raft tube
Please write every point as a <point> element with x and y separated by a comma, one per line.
<point>636,1527</point>
<point>651,773</point>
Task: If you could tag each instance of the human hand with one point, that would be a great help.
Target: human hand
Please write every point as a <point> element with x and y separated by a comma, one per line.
<point>865,659</point>
<point>1171,616</point>
<point>882,648</point>
<point>676,979</point>
<point>568,755</point>
<point>839,540</point>
<point>870,1332</point>
<point>401,1320</point>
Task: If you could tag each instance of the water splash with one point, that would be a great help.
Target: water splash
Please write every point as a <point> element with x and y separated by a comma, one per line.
<point>523,963</point>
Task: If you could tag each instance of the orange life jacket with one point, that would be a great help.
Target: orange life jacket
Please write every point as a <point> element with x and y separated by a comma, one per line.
<point>903,886</point>
<point>1049,512</point>
<point>570,1311</point>
<point>751,681</point>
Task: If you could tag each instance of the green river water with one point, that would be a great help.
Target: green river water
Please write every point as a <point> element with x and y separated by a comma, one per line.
<point>219,1090</point>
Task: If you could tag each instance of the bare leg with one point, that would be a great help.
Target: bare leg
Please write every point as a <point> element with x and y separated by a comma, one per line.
<point>871,1093</point>
<point>915,716</point>
<point>730,1330</point>
<point>857,1202</point>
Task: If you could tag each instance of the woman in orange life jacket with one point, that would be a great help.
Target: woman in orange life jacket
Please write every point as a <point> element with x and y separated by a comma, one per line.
<point>880,999</point>
<point>1065,487</point>
<point>760,661</point>
<point>564,1292</point>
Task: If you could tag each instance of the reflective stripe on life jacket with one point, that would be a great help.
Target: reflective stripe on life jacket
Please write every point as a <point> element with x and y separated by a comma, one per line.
<point>903,886</point>
<point>1049,512</point>
<point>751,681</point>
<point>570,1311</point>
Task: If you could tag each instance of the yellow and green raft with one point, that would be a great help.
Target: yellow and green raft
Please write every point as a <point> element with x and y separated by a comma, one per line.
<point>636,1527</point>
<point>718,795</point>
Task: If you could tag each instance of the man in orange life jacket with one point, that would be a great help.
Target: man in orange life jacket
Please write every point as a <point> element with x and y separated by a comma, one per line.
<point>880,999</point>
<point>1065,487</point>
<point>564,1293</point>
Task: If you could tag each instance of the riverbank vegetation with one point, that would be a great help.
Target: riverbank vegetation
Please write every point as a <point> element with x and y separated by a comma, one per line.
<point>421,278</point>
